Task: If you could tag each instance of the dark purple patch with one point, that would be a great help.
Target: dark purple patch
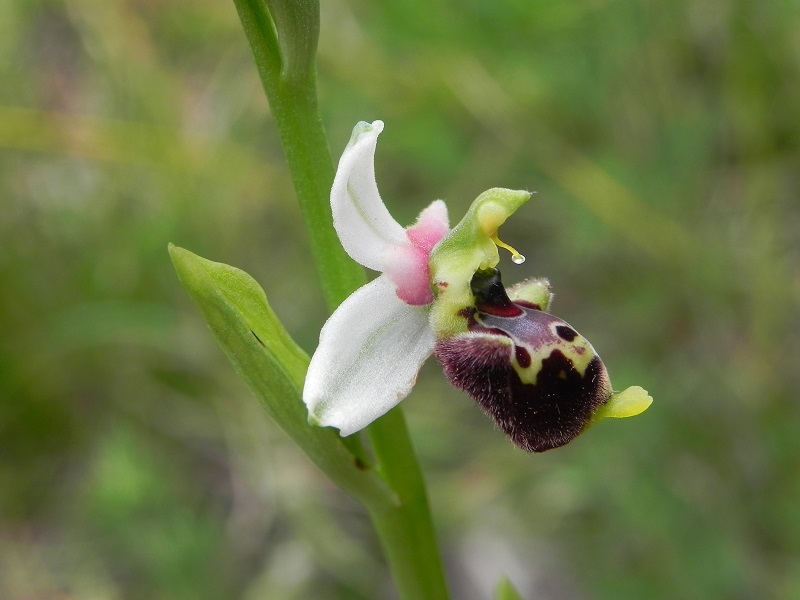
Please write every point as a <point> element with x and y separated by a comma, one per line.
<point>468,313</point>
<point>536,417</point>
<point>566,333</point>
<point>523,357</point>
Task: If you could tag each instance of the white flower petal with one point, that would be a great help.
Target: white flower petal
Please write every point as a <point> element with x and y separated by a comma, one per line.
<point>365,227</point>
<point>369,354</point>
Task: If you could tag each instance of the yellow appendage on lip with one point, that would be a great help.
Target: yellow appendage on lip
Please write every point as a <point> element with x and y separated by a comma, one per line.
<point>490,217</point>
<point>516,257</point>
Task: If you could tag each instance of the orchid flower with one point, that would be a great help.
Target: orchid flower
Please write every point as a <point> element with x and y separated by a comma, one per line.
<point>440,291</point>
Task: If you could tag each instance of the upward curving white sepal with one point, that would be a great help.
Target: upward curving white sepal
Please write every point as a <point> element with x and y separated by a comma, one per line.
<point>366,229</point>
<point>369,354</point>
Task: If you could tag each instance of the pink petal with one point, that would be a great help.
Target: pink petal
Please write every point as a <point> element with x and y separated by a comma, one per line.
<point>407,268</point>
<point>407,265</point>
<point>431,226</point>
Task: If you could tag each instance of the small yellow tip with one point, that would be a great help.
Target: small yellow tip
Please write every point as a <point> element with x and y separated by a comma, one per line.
<point>516,257</point>
<point>627,403</point>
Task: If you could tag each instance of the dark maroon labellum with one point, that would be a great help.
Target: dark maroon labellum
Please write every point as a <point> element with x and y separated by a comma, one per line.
<point>537,377</point>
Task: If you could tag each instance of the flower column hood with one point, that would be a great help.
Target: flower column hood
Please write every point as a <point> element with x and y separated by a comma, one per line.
<point>439,290</point>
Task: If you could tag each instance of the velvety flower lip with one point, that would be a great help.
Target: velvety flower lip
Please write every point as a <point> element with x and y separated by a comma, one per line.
<point>541,382</point>
<point>374,344</point>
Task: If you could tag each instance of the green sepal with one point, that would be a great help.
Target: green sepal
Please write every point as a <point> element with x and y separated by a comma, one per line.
<point>273,366</point>
<point>506,590</point>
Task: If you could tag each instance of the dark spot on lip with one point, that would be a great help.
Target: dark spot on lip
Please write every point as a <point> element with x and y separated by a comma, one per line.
<point>523,357</point>
<point>510,310</point>
<point>527,304</point>
<point>566,333</point>
<point>467,313</point>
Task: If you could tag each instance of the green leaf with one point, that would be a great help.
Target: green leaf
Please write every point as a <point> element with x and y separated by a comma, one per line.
<point>507,591</point>
<point>273,366</point>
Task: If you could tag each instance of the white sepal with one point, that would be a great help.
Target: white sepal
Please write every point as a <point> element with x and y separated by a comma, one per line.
<point>366,229</point>
<point>369,354</point>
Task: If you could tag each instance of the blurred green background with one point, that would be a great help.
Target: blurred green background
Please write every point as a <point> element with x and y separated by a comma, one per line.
<point>663,140</point>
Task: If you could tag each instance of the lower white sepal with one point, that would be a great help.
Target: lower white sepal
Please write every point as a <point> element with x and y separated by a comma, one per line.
<point>369,354</point>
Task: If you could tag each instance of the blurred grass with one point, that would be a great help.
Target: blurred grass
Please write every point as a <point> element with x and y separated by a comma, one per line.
<point>664,144</point>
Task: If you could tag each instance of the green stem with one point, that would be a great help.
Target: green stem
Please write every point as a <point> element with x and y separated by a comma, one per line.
<point>406,531</point>
<point>306,148</point>
<point>289,79</point>
<point>293,99</point>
